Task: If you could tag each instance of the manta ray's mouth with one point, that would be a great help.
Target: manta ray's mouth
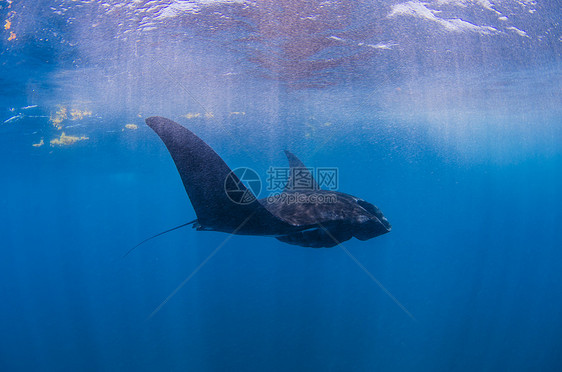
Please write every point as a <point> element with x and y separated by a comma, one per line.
<point>375,212</point>
<point>371,229</point>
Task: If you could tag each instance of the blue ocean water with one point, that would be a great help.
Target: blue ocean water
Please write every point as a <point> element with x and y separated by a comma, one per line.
<point>444,114</point>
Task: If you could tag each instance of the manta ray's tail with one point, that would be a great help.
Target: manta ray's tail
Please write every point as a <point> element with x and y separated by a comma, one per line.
<point>162,233</point>
<point>206,178</point>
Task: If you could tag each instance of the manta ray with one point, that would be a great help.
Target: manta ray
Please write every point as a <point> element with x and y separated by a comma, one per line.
<point>206,177</point>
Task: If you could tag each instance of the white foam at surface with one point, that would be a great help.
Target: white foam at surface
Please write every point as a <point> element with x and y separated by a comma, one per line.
<point>381,46</point>
<point>431,11</point>
<point>485,4</point>
<point>518,31</point>
<point>421,10</point>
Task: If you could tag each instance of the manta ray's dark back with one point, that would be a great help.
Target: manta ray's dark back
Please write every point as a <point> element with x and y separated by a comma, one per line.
<point>203,174</point>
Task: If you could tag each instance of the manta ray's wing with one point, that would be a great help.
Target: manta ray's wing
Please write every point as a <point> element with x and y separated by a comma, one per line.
<point>300,177</point>
<point>207,178</point>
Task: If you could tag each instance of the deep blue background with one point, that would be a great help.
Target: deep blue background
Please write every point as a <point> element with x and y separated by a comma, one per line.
<point>474,256</point>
